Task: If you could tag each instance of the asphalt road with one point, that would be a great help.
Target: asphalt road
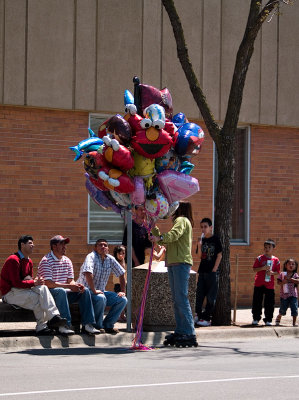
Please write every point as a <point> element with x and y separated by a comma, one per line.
<point>265,368</point>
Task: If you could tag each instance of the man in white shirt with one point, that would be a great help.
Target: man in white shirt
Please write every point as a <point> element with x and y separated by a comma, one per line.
<point>94,274</point>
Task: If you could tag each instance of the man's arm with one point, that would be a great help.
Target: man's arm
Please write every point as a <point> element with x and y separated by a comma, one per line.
<point>13,273</point>
<point>90,282</point>
<point>71,284</point>
<point>217,262</point>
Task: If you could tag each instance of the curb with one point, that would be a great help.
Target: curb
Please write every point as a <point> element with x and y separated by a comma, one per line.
<point>124,339</point>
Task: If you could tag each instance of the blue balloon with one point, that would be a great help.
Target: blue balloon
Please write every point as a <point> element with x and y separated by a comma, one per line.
<point>128,97</point>
<point>179,119</point>
<point>189,136</point>
<point>87,145</point>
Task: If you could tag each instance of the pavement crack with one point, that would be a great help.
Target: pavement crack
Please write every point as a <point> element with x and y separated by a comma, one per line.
<point>276,332</point>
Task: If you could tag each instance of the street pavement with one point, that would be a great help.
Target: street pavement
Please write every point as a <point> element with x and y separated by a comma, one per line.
<point>229,370</point>
<point>14,336</point>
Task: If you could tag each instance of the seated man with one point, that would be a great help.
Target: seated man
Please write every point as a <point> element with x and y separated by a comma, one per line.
<point>58,273</point>
<point>19,288</point>
<point>94,274</point>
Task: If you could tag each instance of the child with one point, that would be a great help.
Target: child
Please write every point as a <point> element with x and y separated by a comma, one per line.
<point>265,266</point>
<point>119,253</point>
<point>207,284</point>
<point>159,252</point>
<point>288,281</point>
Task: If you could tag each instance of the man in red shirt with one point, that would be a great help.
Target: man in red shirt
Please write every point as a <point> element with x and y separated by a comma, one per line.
<point>18,287</point>
<point>266,266</point>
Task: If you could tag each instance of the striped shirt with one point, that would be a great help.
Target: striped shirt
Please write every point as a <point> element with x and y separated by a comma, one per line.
<point>56,269</point>
<point>100,270</point>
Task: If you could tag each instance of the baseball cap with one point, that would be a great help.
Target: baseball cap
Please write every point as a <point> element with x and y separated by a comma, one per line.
<point>58,239</point>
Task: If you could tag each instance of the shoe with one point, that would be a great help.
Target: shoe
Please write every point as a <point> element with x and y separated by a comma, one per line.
<point>56,322</point>
<point>255,322</point>
<point>112,331</point>
<point>101,330</point>
<point>196,319</point>
<point>295,325</point>
<point>172,336</point>
<point>45,332</point>
<point>277,322</point>
<point>186,341</point>
<point>268,323</point>
<point>90,330</point>
<point>65,330</point>
<point>202,322</point>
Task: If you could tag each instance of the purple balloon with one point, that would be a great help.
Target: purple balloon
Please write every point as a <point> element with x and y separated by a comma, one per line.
<point>99,197</point>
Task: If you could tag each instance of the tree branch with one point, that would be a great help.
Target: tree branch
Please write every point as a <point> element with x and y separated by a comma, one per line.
<point>194,85</point>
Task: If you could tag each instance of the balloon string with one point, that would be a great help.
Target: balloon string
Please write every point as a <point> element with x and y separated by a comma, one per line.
<point>137,339</point>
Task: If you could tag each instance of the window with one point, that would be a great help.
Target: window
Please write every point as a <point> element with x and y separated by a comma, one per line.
<point>240,217</point>
<point>102,223</point>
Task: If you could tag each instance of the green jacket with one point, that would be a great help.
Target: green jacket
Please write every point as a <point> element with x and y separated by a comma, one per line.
<point>178,241</point>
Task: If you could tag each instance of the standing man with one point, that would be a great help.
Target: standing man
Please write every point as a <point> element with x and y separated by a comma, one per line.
<point>19,288</point>
<point>140,240</point>
<point>58,273</point>
<point>210,248</point>
<point>94,274</point>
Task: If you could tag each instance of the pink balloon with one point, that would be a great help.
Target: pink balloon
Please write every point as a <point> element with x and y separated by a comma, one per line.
<point>138,196</point>
<point>177,186</point>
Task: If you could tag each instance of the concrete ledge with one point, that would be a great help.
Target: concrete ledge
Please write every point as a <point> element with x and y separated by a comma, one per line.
<point>124,339</point>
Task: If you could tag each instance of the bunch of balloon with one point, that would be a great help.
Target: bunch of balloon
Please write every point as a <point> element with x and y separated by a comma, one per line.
<point>142,158</point>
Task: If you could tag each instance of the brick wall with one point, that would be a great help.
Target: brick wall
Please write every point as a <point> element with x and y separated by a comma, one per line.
<point>274,206</point>
<point>43,192</point>
<point>42,188</point>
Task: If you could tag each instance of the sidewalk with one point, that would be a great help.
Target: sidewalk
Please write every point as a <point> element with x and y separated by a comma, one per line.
<point>20,336</point>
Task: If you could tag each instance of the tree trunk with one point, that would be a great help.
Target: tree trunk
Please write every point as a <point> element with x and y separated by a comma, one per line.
<point>222,225</point>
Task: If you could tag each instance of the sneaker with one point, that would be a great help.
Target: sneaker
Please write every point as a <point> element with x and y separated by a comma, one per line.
<point>202,322</point>
<point>255,322</point>
<point>90,330</point>
<point>196,318</point>
<point>65,330</point>
<point>268,323</point>
<point>112,331</point>
<point>56,322</point>
<point>45,332</point>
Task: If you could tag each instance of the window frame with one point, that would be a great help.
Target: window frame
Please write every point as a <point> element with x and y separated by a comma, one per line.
<point>246,240</point>
<point>89,241</point>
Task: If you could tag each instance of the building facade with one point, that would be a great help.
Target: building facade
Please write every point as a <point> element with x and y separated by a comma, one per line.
<point>64,65</point>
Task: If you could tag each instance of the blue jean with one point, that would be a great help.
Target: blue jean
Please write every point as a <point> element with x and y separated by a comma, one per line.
<point>116,303</point>
<point>291,302</point>
<point>207,286</point>
<point>63,298</point>
<point>178,277</point>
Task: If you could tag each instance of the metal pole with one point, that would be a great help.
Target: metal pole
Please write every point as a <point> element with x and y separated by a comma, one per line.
<point>236,288</point>
<point>128,215</point>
